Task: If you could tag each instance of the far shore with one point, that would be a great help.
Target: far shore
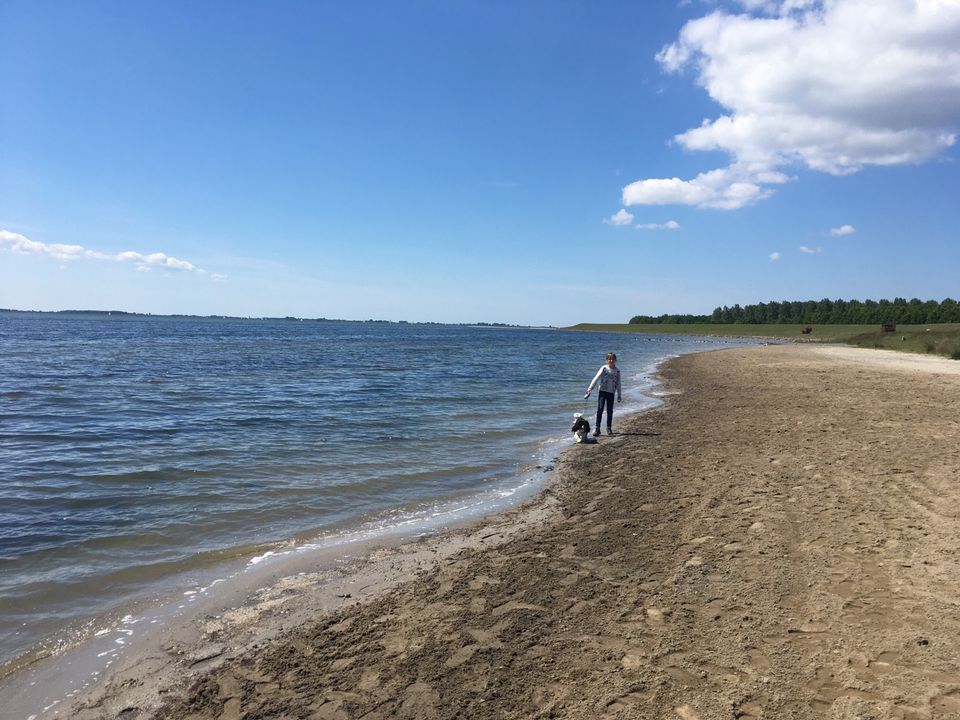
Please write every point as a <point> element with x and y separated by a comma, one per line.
<point>777,540</point>
<point>931,339</point>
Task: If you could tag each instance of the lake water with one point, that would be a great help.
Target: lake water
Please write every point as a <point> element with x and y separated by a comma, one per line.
<point>134,450</point>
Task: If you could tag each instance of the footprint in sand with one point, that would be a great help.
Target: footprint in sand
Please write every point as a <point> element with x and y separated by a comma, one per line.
<point>942,677</point>
<point>681,676</point>
<point>485,638</point>
<point>627,702</point>
<point>229,687</point>
<point>845,588</point>
<point>460,656</point>
<point>420,700</point>
<point>231,709</point>
<point>369,680</point>
<point>516,605</point>
<point>752,709</point>
<point>482,580</point>
<point>948,702</point>
<point>670,664</point>
<point>656,617</point>
<point>759,661</point>
<point>399,644</point>
<point>883,663</point>
<point>724,674</point>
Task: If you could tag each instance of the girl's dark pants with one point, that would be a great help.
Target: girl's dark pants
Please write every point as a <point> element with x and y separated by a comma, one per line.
<point>605,398</point>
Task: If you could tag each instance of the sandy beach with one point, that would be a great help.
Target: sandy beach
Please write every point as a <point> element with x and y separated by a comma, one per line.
<point>779,540</point>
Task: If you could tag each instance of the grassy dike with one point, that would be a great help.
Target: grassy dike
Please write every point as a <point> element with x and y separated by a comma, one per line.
<point>935,339</point>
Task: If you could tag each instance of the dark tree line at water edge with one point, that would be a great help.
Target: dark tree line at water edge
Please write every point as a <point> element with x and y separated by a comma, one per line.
<point>821,312</point>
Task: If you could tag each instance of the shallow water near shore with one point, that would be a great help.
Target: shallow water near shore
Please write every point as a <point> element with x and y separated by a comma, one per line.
<point>138,453</point>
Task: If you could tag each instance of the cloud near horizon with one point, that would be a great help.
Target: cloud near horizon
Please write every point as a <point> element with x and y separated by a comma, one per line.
<point>22,245</point>
<point>843,230</point>
<point>828,85</point>
<point>668,225</point>
<point>621,217</point>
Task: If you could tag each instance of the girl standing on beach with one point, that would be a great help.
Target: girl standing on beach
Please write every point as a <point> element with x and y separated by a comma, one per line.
<point>609,378</point>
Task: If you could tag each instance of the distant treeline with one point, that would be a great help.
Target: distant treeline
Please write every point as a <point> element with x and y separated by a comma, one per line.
<point>822,312</point>
<point>288,318</point>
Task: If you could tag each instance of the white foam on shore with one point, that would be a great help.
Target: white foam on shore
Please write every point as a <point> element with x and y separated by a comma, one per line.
<point>257,559</point>
<point>424,519</point>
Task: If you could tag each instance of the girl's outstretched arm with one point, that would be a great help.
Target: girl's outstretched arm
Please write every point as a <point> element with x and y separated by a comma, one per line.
<point>595,379</point>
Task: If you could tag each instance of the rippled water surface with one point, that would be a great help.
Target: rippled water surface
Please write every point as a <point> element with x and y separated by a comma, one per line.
<point>132,449</point>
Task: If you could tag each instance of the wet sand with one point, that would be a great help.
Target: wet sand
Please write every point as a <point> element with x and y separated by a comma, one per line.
<point>779,540</point>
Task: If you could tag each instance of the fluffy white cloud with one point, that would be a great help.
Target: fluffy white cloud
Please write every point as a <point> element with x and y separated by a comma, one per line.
<point>776,7</point>
<point>843,230</point>
<point>668,225</point>
<point>158,260</point>
<point>830,85</point>
<point>809,250</point>
<point>14,242</point>
<point>724,189</point>
<point>621,217</point>
<point>774,256</point>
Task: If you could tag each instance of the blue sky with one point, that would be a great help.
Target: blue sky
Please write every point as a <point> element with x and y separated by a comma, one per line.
<point>471,161</point>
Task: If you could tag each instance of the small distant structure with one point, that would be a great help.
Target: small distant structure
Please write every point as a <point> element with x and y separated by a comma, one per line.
<point>888,328</point>
<point>806,330</point>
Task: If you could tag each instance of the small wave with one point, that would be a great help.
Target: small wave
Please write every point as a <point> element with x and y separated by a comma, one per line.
<point>15,394</point>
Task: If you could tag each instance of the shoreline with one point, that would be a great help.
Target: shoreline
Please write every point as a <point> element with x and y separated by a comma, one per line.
<point>362,563</point>
<point>388,527</point>
<point>256,608</point>
<point>930,339</point>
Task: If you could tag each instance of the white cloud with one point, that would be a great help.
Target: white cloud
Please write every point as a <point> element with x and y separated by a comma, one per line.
<point>16,243</point>
<point>830,85</point>
<point>776,7</point>
<point>774,256</point>
<point>809,250</point>
<point>621,217</point>
<point>724,189</point>
<point>843,230</point>
<point>157,260</point>
<point>668,225</point>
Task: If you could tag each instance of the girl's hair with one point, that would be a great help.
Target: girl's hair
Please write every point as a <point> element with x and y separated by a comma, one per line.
<point>612,356</point>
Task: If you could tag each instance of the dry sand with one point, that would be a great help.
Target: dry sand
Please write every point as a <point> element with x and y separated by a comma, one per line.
<point>779,541</point>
